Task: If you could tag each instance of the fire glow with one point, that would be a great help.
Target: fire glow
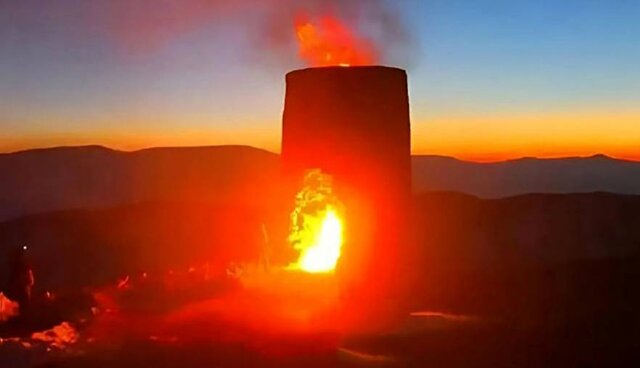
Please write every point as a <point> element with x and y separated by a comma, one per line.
<point>323,252</point>
<point>316,225</point>
<point>328,41</point>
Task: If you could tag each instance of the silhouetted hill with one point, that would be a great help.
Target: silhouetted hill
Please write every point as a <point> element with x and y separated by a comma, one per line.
<point>529,228</point>
<point>75,248</point>
<point>527,175</point>
<point>568,262</point>
<point>452,229</point>
<point>43,180</point>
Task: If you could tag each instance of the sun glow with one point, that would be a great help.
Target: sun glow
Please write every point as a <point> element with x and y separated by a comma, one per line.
<point>316,225</point>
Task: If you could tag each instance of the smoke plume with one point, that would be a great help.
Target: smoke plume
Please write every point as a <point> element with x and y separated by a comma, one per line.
<point>144,26</point>
<point>265,27</point>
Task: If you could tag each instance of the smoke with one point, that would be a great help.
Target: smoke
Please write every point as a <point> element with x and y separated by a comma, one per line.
<point>264,29</point>
<point>144,26</point>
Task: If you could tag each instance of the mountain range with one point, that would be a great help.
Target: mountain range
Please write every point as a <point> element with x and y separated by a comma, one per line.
<point>43,180</point>
<point>597,173</point>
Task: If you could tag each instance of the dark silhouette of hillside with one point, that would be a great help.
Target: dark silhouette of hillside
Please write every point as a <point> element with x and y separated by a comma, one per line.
<point>76,248</point>
<point>558,258</point>
<point>43,180</point>
<point>92,246</point>
<point>531,228</point>
<point>527,175</point>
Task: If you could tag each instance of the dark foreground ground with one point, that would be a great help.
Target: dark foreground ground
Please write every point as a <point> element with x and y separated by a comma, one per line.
<point>530,281</point>
<point>590,320</point>
<point>463,347</point>
<point>453,346</point>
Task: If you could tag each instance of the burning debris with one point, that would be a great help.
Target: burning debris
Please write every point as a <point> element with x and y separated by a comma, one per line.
<point>8,308</point>
<point>58,337</point>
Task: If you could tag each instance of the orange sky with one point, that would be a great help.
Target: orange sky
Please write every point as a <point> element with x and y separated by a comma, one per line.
<point>492,137</point>
<point>551,134</point>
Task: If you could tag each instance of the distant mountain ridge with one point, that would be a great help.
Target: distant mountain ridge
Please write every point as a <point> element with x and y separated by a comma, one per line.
<point>597,173</point>
<point>50,179</point>
<point>42,180</point>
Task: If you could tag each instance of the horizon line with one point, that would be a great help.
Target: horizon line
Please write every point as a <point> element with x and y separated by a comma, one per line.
<point>413,154</point>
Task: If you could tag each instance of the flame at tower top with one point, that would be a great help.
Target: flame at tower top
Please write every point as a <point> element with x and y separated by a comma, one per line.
<point>328,41</point>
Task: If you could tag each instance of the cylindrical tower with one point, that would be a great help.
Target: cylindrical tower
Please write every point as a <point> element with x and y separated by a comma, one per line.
<point>353,123</point>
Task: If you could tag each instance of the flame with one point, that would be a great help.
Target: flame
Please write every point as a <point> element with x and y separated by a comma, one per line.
<point>58,336</point>
<point>323,252</point>
<point>316,225</point>
<point>330,42</point>
<point>8,308</point>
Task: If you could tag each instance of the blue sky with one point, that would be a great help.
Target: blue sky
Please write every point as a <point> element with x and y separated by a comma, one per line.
<point>488,79</point>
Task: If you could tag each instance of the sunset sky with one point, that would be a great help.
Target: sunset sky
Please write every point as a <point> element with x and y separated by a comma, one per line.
<point>489,80</point>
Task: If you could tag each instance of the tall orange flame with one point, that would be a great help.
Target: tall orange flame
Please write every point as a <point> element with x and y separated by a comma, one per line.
<point>316,225</point>
<point>328,41</point>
